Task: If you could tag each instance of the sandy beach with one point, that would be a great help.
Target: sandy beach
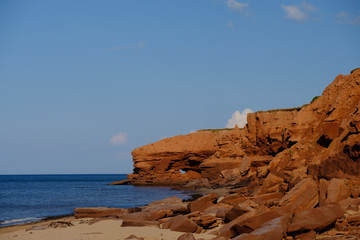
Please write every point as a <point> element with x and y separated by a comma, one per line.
<point>87,228</point>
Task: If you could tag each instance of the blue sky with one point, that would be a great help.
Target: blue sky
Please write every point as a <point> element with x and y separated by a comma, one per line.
<point>83,83</point>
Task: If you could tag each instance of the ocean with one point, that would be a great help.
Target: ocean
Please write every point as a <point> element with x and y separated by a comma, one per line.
<point>26,198</point>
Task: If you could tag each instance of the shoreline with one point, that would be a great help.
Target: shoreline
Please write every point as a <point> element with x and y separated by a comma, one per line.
<point>70,228</point>
<point>39,220</point>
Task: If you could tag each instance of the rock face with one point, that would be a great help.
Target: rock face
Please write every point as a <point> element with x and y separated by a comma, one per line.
<point>293,174</point>
<point>320,140</point>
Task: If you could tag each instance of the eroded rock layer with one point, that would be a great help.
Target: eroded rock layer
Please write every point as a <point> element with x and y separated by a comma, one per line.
<point>276,148</point>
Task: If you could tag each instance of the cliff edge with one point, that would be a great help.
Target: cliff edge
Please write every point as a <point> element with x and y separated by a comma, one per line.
<point>276,149</point>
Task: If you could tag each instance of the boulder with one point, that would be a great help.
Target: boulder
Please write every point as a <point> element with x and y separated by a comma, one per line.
<point>252,223</point>
<point>272,230</point>
<point>235,212</point>
<point>230,173</point>
<point>346,203</point>
<point>181,223</point>
<point>219,210</point>
<point>263,198</point>
<point>338,190</point>
<point>272,183</point>
<point>166,207</point>
<point>227,230</point>
<point>122,182</point>
<point>98,212</point>
<point>315,219</point>
<point>244,165</point>
<point>204,202</point>
<point>262,171</point>
<point>140,216</point>
<point>133,237</point>
<point>233,199</point>
<point>298,174</point>
<point>186,236</point>
<point>139,223</point>
<point>206,221</point>
<point>353,218</point>
<point>303,195</point>
<point>306,236</point>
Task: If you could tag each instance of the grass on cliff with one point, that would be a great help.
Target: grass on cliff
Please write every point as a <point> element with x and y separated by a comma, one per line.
<point>217,129</point>
<point>284,109</point>
<point>313,100</point>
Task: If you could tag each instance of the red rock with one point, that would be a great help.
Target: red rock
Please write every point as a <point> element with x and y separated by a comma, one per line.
<point>306,236</point>
<point>186,236</point>
<point>122,182</point>
<point>298,174</point>
<point>315,218</point>
<point>261,199</point>
<point>233,199</point>
<point>138,223</point>
<point>262,172</point>
<point>173,204</point>
<point>219,210</point>
<point>272,183</point>
<point>240,190</point>
<point>338,190</point>
<point>227,230</point>
<point>255,222</point>
<point>303,195</point>
<point>212,167</point>
<point>346,203</point>
<point>244,165</point>
<point>98,212</point>
<point>272,230</point>
<point>353,218</point>
<point>320,140</point>
<point>230,174</point>
<point>141,216</point>
<point>181,223</point>
<point>133,237</point>
<point>323,186</point>
<point>202,203</point>
<point>206,221</point>
<point>235,212</point>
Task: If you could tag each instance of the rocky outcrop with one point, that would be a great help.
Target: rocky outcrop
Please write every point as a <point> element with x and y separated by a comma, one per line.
<point>293,174</point>
<point>295,215</point>
<point>320,140</point>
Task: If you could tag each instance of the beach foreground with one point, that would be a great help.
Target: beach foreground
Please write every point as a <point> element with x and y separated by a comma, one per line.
<point>87,228</point>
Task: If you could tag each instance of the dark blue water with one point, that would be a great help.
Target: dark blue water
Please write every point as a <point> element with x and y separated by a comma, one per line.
<point>25,198</point>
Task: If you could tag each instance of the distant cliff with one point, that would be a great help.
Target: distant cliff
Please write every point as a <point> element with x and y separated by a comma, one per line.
<point>320,139</point>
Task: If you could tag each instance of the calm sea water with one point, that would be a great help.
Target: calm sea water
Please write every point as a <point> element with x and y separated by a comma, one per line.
<point>25,198</point>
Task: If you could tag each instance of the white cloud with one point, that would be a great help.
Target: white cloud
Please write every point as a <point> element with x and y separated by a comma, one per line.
<point>295,13</point>
<point>308,7</point>
<point>238,118</point>
<point>119,139</point>
<point>299,12</point>
<point>231,26</point>
<point>237,6</point>
<point>141,45</point>
<point>348,18</point>
<point>116,48</point>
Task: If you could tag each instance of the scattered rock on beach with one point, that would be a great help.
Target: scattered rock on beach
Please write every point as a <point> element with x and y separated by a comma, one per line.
<point>181,223</point>
<point>60,224</point>
<point>98,212</point>
<point>186,236</point>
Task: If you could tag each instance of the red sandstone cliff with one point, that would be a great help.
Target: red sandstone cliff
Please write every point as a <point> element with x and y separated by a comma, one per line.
<point>280,147</point>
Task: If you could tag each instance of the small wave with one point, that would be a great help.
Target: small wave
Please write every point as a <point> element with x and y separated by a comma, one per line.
<point>16,221</point>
